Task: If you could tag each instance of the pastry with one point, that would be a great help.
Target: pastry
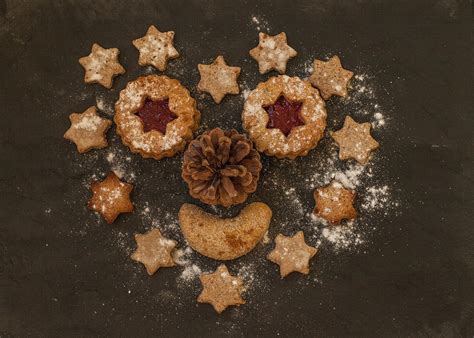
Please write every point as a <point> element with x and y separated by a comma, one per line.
<point>221,167</point>
<point>224,238</point>
<point>156,116</point>
<point>272,52</point>
<point>334,203</point>
<point>330,78</point>
<point>88,130</point>
<point>285,117</point>
<point>101,65</point>
<point>218,79</point>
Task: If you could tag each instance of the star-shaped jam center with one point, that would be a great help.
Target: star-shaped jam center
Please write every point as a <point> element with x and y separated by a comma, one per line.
<point>156,115</point>
<point>284,115</point>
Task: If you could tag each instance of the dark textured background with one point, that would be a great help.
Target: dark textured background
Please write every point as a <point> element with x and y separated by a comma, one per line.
<point>56,279</point>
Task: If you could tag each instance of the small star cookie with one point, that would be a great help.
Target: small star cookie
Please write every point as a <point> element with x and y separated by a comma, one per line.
<point>101,65</point>
<point>218,79</point>
<point>154,251</point>
<point>88,130</point>
<point>354,141</point>
<point>334,203</point>
<point>221,289</point>
<point>292,254</point>
<point>330,78</point>
<point>156,48</point>
<point>272,52</point>
<point>111,197</point>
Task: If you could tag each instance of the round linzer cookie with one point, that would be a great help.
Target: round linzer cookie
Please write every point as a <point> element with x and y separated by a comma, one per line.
<point>224,238</point>
<point>221,167</point>
<point>285,117</point>
<point>156,116</point>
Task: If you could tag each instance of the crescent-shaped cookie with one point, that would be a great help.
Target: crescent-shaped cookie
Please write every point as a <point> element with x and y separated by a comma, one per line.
<point>224,238</point>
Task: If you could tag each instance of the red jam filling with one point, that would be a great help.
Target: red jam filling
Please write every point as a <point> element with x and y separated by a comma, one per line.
<point>155,115</point>
<point>284,115</point>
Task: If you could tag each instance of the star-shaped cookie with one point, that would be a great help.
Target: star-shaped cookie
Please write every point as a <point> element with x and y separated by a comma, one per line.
<point>292,254</point>
<point>88,130</point>
<point>101,65</point>
<point>334,203</point>
<point>154,251</point>
<point>221,289</point>
<point>111,197</point>
<point>330,78</point>
<point>272,52</point>
<point>218,79</point>
<point>354,141</point>
<point>156,48</point>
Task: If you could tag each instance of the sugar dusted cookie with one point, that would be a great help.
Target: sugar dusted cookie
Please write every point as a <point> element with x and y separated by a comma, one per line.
<point>156,48</point>
<point>101,65</point>
<point>88,130</point>
<point>218,79</point>
<point>292,254</point>
<point>111,197</point>
<point>272,52</point>
<point>330,78</point>
<point>221,289</point>
<point>224,238</point>
<point>334,203</point>
<point>154,251</point>
<point>354,141</point>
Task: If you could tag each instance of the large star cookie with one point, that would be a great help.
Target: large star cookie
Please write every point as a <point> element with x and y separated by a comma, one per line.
<point>154,251</point>
<point>221,289</point>
<point>218,79</point>
<point>334,203</point>
<point>111,197</point>
<point>88,130</point>
<point>292,254</point>
<point>156,48</point>
<point>330,78</point>
<point>354,141</point>
<point>272,52</point>
<point>101,65</point>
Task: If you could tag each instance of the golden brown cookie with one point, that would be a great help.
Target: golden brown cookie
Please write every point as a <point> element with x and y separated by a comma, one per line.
<point>330,78</point>
<point>156,48</point>
<point>154,251</point>
<point>292,254</point>
<point>221,167</point>
<point>101,65</point>
<point>221,289</point>
<point>224,238</point>
<point>88,130</point>
<point>354,141</point>
<point>218,79</point>
<point>111,197</point>
<point>272,52</point>
<point>156,116</point>
<point>284,117</point>
<point>334,203</point>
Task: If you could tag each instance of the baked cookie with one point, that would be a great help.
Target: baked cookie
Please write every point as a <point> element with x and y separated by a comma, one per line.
<point>334,203</point>
<point>154,251</point>
<point>101,65</point>
<point>354,141</point>
<point>88,130</point>
<point>155,48</point>
<point>221,167</point>
<point>221,289</point>
<point>111,197</point>
<point>156,116</point>
<point>330,78</point>
<point>284,116</point>
<point>224,238</point>
<point>218,79</point>
<point>292,254</point>
<point>272,52</point>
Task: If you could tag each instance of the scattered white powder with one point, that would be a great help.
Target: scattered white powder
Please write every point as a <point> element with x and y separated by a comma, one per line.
<point>246,93</point>
<point>342,236</point>
<point>259,23</point>
<point>103,106</point>
<point>379,120</point>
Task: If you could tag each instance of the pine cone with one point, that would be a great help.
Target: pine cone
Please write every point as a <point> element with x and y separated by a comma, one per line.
<point>221,167</point>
